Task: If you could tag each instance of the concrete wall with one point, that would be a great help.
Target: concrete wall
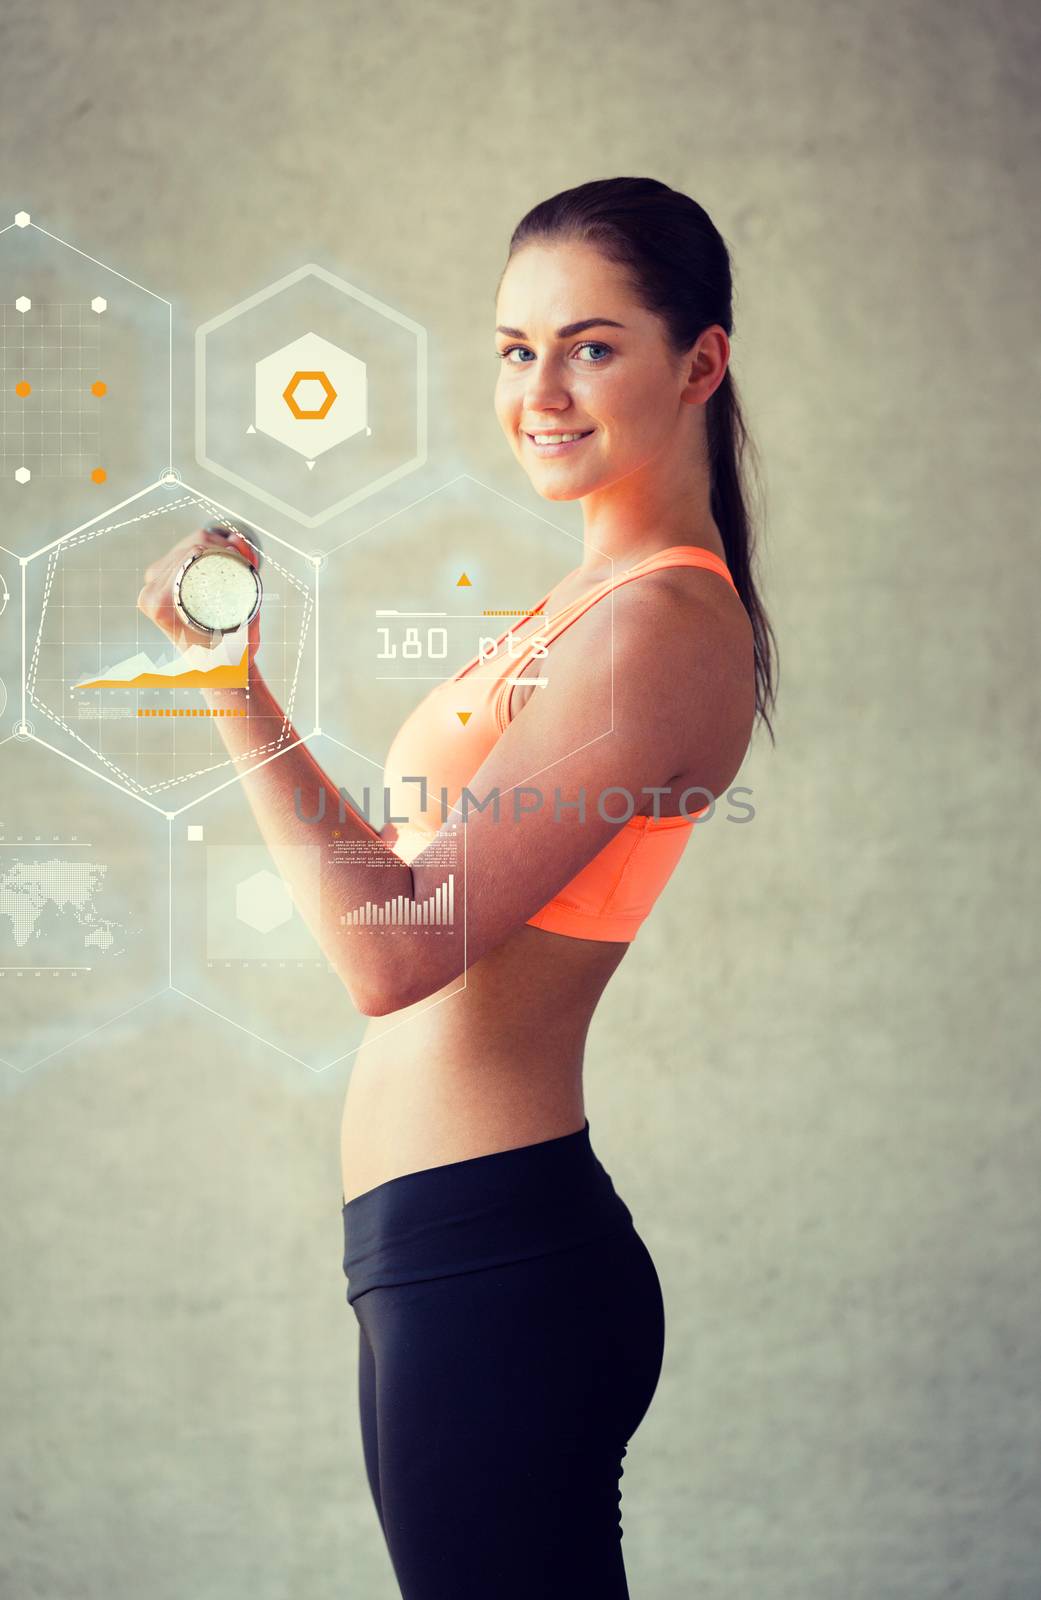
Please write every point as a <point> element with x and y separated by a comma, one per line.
<point>821,1105</point>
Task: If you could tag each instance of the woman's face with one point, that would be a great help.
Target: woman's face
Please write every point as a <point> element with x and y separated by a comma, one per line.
<point>620,386</point>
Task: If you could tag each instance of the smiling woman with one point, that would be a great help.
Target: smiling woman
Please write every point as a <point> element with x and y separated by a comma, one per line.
<point>549,440</point>
<point>510,1319</point>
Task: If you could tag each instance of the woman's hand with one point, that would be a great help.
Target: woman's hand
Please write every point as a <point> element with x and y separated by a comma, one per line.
<point>156,599</point>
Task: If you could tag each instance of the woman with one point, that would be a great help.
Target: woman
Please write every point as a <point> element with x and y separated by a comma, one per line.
<point>511,1324</point>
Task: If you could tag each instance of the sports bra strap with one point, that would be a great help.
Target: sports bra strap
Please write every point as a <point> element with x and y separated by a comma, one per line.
<point>676,555</point>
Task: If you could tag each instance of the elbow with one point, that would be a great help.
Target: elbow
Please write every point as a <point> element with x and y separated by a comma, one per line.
<point>384,986</point>
<point>376,994</point>
<point>368,983</point>
<point>372,1002</point>
<point>395,992</point>
<point>375,1005</point>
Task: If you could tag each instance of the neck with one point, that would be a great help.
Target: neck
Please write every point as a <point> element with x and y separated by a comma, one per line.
<point>663,503</point>
<point>628,552</point>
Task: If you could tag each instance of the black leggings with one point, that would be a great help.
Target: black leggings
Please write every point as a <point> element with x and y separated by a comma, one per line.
<point>511,1336</point>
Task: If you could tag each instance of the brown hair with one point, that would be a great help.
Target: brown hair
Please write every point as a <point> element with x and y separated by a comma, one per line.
<point>679,267</point>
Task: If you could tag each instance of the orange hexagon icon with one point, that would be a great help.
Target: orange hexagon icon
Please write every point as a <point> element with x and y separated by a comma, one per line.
<point>289,396</point>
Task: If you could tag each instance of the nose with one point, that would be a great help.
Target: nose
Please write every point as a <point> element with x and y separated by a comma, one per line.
<point>545,391</point>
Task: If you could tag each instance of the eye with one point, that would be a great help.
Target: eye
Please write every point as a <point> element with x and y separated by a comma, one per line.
<point>587,344</point>
<point>594,345</point>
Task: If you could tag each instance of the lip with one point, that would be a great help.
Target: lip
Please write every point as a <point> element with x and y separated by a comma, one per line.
<point>557,449</point>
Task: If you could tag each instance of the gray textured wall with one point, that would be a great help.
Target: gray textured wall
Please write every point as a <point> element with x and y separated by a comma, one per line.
<point>814,1079</point>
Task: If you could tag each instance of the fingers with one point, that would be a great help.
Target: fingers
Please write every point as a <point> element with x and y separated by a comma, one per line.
<point>191,544</point>
<point>238,541</point>
<point>158,575</point>
<point>178,553</point>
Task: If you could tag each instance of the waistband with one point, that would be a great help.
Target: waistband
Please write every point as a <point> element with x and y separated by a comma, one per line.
<point>483,1212</point>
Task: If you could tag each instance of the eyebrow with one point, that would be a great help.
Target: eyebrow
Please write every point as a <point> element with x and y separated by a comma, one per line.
<point>568,329</point>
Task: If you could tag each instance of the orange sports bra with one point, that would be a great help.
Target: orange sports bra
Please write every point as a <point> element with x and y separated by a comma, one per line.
<point>613,893</point>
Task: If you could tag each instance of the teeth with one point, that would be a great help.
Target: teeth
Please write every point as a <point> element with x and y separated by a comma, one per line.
<point>555,438</point>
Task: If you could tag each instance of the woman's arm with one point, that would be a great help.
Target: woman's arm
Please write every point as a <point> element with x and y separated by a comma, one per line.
<point>287,790</point>
<point>680,699</point>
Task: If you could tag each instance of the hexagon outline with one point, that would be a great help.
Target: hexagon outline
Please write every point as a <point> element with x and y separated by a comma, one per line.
<point>253,879</point>
<point>135,285</point>
<point>311,269</point>
<point>289,396</point>
<point>47,711</point>
<point>28,690</point>
<point>235,777</point>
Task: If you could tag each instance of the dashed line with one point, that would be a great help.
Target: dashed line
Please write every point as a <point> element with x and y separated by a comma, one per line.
<point>218,518</point>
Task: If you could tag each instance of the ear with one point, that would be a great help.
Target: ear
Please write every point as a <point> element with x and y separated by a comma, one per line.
<point>707,365</point>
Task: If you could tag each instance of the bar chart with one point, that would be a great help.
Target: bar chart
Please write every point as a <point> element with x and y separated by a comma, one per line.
<point>436,911</point>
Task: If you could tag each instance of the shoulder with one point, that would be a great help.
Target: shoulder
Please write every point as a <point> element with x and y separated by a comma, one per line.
<point>688,594</point>
<point>690,617</point>
<point>685,644</point>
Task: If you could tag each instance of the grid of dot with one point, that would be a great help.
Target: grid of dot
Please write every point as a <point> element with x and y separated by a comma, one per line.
<point>51,391</point>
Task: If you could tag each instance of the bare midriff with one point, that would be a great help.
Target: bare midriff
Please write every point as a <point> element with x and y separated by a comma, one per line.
<point>475,1069</point>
